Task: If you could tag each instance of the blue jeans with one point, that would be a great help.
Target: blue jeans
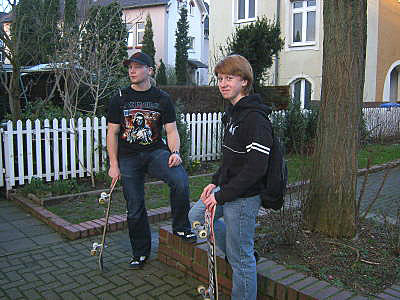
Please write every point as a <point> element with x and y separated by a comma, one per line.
<point>234,235</point>
<point>133,170</point>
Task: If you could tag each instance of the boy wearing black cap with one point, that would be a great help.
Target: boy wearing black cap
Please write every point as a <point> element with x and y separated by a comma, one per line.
<point>135,118</point>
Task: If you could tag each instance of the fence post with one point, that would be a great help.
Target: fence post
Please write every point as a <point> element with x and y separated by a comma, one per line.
<point>47,149</point>
<point>56,155</point>
<point>9,154</point>
<point>64,148</point>
<point>2,170</point>
<point>20,151</point>
<point>29,149</point>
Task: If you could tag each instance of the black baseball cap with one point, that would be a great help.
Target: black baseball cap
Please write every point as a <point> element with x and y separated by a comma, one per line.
<point>139,57</point>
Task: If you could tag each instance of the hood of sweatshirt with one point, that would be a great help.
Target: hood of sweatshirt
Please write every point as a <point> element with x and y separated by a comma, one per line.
<point>252,102</point>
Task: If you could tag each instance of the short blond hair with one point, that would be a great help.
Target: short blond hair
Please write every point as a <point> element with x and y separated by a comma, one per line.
<point>237,65</point>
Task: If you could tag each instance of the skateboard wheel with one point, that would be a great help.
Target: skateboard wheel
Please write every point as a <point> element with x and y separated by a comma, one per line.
<point>202,234</point>
<point>93,252</point>
<point>201,289</point>
<point>196,224</point>
<point>103,198</point>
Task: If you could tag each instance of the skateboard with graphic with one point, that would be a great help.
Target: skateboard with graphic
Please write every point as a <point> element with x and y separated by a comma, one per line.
<point>98,248</point>
<point>207,231</point>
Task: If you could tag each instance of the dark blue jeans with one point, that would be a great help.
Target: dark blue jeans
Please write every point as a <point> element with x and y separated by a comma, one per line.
<point>133,170</point>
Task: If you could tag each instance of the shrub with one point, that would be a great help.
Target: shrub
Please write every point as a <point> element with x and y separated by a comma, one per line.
<point>296,127</point>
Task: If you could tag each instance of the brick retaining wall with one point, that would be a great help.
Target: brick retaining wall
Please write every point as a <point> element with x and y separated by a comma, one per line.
<point>274,281</point>
<point>88,228</point>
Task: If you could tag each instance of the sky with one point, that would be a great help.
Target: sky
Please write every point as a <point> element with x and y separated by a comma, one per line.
<point>3,5</point>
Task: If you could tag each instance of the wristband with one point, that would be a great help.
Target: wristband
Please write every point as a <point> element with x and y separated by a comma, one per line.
<point>176,152</point>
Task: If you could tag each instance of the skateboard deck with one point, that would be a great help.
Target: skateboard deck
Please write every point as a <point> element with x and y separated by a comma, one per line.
<point>105,199</point>
<point>207,230</point>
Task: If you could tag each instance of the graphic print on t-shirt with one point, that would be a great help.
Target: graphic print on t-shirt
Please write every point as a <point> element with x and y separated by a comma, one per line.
<point>140,126</point>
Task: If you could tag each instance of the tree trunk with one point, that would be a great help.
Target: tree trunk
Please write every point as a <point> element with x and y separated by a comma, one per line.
<point>331,204</point>
<point>14,94</point>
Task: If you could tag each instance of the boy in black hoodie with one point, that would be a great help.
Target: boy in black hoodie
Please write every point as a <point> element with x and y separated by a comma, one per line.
<point>236,185</point>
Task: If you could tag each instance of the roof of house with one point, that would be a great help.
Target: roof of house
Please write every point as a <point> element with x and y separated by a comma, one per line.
<point>134,3</point>
<point>197,64</point>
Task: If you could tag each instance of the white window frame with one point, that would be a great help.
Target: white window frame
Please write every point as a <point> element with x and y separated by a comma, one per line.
<point>192,40</point>
<point>131,31</point>
<point>246,19</point>
<point>302,81</point>
<point>139,31</point>
<point>302,45</point>
<point>191,8</point>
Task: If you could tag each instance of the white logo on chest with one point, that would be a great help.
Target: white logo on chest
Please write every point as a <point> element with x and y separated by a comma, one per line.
<point>232,129</point>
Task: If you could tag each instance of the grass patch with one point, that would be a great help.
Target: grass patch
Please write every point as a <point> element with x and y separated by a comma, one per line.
<point>83,208</point>
<point>378,153</point>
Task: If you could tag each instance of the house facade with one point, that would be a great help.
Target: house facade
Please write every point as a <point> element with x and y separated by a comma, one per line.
<point>300,62</point>
<point>164,16</point>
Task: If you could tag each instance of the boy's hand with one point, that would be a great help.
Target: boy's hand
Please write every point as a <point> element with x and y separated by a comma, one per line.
<point>207,191</point>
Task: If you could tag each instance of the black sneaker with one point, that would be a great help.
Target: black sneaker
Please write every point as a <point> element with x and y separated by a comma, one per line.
<point>137,262</point>
<point>187,236</point>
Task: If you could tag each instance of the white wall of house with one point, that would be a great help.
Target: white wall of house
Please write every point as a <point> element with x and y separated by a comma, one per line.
<point>164,19</point>
<point>196,31</point>
<point>301,60</point>
<point>158,19</point>
<point>372,51</point>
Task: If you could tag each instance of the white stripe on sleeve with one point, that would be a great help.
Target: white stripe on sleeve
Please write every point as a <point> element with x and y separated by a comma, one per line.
<point>258,147</point>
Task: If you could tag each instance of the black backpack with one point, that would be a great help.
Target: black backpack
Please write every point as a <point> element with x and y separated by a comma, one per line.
<point>276,178</point>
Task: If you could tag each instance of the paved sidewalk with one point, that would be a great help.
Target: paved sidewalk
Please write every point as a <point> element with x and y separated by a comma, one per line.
<point>38,263</point>
<point>388,201</point>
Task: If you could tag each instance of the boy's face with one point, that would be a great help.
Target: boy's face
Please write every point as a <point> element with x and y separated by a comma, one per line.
<point>138,73</point>
<point>231,87</point>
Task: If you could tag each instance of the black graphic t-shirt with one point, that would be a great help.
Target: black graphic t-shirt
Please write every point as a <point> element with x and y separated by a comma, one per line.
<point>141,115</point>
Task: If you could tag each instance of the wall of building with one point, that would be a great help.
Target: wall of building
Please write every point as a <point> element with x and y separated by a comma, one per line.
<point>388,46</point>
<point>383,52</point>
<point>221,27</point>
<point>372,51</point>
<point>304,62</point>
<point>158,19</point>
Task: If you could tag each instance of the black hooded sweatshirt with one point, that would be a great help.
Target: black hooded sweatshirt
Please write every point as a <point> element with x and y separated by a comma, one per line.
<point>245,149</point>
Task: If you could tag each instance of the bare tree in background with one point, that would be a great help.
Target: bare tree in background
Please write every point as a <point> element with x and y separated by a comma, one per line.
<point>12,46</point>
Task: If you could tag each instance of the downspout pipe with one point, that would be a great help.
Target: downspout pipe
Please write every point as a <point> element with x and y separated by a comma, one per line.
<point>278,13</point>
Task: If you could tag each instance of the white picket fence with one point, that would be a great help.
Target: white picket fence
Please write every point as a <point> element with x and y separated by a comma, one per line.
<point>69,149</point>
<point>382,122</point>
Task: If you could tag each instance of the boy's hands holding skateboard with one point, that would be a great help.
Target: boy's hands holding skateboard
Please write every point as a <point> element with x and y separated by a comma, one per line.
<point>208,197</point>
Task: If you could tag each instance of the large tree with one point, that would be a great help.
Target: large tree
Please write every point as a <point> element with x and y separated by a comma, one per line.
<point>331,204</point>
<point>258,42</point>
<point>182,46</point>
<point>148,43</point>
